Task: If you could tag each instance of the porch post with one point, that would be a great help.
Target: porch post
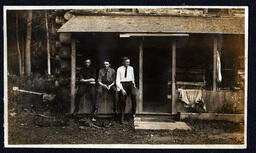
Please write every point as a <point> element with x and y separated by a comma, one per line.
<point>73,75</point>
<point>214,64</point>
<point>173,76</point>
<point>140,108</point>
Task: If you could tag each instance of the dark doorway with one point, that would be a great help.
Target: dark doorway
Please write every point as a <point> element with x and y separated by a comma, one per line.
<point>156,62</point>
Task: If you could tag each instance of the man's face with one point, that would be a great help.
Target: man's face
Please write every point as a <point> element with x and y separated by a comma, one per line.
<point>106,64</point>
<point>126,62</point>
<point>87,63</point>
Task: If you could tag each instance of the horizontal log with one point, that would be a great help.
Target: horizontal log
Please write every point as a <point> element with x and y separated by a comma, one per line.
<point>68,15</point>
<point>64,52</point>
<point>58,44</point>
<point>153,12</point>
<point>65,65</point>
<point>188,83</point>
<point>65,38</point>
<point>59,11</point>
<point>53,30</point>
<point>59,20</point>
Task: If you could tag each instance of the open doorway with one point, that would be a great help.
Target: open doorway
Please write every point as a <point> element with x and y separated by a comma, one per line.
<point>156,63</point>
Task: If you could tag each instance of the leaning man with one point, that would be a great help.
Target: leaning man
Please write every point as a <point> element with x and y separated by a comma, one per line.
<point>87,85</point>
<point>106,79</point>
<point>126,86</point>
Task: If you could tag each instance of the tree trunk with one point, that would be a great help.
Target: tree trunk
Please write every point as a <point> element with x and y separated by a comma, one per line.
<point>18,45</point>
<point>28,43</point>
<point>48,44</point>
<point>23,52</point>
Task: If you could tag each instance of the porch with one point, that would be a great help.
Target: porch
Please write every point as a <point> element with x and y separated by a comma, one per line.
<point>114,40</point>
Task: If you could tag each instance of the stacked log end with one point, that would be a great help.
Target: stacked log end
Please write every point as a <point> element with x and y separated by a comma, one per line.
<point>63,40</point>
<point>61,57</point>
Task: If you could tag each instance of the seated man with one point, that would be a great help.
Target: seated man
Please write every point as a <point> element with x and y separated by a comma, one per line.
<point>87,85</point>
<point>125,83</point>
<point>106,81</point>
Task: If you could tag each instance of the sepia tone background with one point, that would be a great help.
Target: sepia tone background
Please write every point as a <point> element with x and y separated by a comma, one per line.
<point>170,49</point>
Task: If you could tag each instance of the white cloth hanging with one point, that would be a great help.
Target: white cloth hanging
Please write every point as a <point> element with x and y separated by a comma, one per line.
<point>219,76</point>
<point>191,97</point>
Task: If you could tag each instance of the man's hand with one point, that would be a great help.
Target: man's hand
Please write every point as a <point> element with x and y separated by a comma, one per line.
<point>108,87</point>
<point>134,85</point>
<point>92,82</point>
<point>105,86</point>
<point>123,92</point>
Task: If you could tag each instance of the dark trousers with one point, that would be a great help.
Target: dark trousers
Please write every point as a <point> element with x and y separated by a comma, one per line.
<point>89,90</point>
<point>130,90</point>
<point>114,94</point>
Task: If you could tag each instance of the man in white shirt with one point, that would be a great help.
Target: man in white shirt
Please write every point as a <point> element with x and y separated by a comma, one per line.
<point>126,86</point>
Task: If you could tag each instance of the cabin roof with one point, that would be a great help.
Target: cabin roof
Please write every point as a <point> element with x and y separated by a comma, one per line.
<point>154,24</point>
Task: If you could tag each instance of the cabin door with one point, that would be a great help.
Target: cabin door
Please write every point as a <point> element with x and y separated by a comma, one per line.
<point>156,63</point>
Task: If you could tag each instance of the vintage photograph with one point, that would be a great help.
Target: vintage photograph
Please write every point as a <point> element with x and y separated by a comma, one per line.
<point>125,77</point>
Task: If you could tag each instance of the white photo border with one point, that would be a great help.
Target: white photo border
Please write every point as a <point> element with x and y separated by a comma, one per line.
<point>118,146</point>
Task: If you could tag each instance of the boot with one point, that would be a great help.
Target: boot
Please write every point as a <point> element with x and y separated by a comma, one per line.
<point>122,118</point>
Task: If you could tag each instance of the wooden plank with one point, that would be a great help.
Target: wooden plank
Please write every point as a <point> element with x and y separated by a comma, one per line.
<point>151,125</point>
<point>127,35</point>
<point>73,75</point>
<point>173,76</point>
<point>154,119</point>
<point>214,64</point>
<point>154,113</point>
<point>140,106</point>
<point>188,83</point>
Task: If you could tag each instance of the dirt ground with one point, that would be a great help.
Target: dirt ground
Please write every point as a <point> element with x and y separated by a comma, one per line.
<point>26,127</point>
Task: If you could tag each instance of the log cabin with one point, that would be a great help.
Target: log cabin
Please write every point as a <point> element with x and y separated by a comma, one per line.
<point>173,50</point>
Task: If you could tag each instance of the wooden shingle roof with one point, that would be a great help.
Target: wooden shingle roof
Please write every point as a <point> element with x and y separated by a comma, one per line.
<point>155,24</point>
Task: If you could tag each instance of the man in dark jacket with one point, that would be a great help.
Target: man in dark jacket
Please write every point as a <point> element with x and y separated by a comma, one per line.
<point>87,85</point>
